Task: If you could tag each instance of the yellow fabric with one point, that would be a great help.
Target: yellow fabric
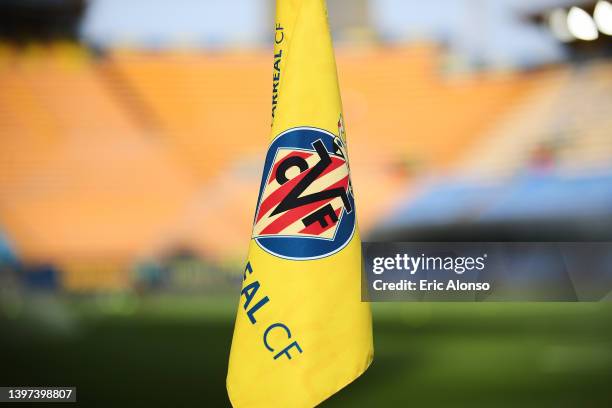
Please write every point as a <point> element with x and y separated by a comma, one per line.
<point>318,301</point>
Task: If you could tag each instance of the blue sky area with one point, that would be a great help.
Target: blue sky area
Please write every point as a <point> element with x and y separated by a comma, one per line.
<point>489,31</point>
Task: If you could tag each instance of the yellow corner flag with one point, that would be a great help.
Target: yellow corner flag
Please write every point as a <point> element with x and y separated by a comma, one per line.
<point>302,332</point>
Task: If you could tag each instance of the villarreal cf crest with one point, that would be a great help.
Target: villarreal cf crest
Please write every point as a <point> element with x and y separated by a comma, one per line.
<point>305,208</point>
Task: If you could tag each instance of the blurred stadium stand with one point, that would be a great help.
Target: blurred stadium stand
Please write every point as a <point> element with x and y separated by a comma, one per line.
<point>564,124</point>
<point>530,208</point>
<point>114,161</point>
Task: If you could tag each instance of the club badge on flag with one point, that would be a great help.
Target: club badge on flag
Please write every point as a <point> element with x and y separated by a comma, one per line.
<point>305,195</point>
<point>302,332</point>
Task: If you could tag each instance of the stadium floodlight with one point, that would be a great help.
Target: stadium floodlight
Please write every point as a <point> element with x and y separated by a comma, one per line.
<point>603,16</point>
<point>581,24</point>
<point>557,22</point>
